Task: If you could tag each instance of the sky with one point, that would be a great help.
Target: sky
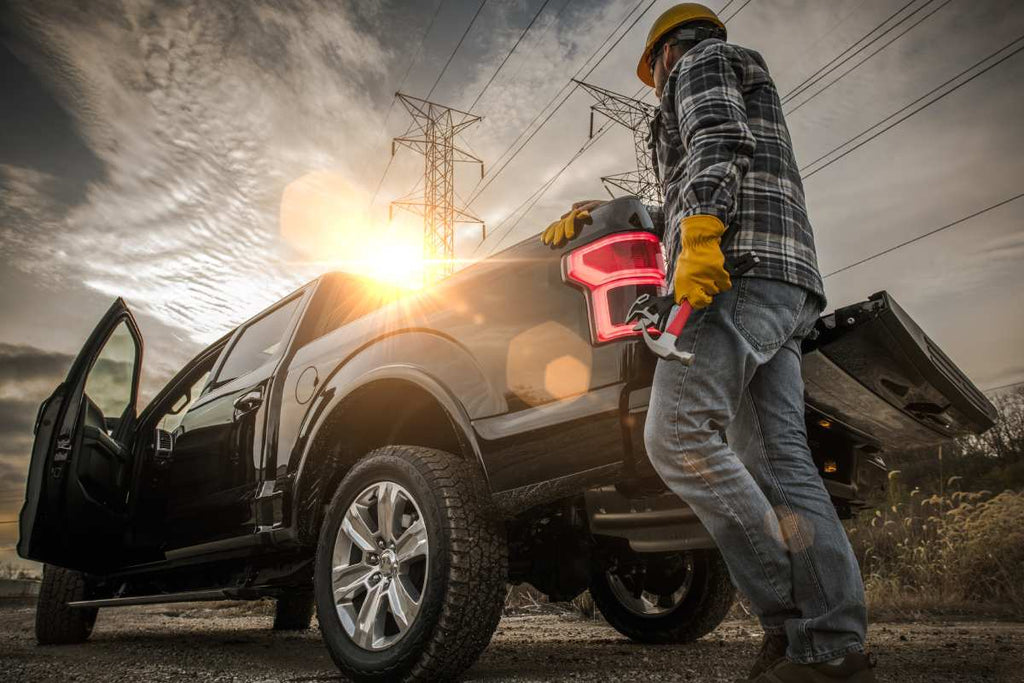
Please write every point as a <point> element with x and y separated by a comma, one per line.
<point>146,147</point>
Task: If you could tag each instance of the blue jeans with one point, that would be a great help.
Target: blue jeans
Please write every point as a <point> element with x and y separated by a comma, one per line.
<point>727,435</point>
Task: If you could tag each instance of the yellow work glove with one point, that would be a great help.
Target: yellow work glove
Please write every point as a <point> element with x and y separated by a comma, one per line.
<point>700,270</point>
<point>566,228</point>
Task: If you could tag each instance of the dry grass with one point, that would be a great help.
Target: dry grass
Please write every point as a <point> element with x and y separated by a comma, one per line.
<point>8,570</point>
<point>523,599</point>
<point>957,551</point>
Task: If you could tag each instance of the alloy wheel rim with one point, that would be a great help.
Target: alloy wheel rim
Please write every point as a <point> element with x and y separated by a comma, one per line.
<point>379,566</point>
<point>650,603</point>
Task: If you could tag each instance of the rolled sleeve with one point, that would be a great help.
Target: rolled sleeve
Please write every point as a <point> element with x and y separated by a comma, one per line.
<point>714,129</point>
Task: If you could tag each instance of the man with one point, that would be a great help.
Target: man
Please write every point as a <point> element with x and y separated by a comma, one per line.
<point>727,434</point>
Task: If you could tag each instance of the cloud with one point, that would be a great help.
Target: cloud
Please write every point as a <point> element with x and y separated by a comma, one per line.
<point>25,370</point>
<point>27,376</point>
<point>200,116</point>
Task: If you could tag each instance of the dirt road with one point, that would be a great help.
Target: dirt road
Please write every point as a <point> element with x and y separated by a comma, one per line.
<point>233,642</point>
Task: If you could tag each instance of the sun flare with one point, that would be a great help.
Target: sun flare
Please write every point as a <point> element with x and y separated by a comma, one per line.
<point>326,219</point>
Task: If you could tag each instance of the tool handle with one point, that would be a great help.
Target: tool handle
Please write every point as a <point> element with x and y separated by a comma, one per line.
<point>736,267</point>
<point>679,321</point>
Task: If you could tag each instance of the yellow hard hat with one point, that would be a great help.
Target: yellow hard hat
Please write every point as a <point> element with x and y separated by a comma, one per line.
<point>671,19</point>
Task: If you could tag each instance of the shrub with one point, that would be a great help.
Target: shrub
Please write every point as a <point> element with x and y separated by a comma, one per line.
<point>950,550</point>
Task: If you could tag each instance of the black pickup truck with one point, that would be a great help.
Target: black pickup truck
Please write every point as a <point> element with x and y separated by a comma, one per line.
<point>395,461</point>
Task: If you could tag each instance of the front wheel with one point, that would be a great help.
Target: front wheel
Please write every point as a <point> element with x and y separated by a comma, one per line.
<point>665,598</point>
<point>56,623</point>
<point>411,567</point>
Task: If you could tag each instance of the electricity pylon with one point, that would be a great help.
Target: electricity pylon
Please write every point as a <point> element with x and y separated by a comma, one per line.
<point>636,116</point>
<point>432,134</point>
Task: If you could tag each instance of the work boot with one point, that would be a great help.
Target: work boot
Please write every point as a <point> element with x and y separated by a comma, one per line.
<point>773,649</point>
<point>855,667</point>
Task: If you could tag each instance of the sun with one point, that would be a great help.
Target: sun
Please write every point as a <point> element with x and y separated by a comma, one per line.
<point>326,219</point>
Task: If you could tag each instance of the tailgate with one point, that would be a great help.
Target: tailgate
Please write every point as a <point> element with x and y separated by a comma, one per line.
<point>872,368</point>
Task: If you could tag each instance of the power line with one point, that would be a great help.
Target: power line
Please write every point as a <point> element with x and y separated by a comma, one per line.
<point>634,115</point>
<point>383,175</point>
<point>854,9</point>
<point>540,190</point>
<point>733,15</point>
<point>457,46</point>
<point>550,183</point>
<point>472,21</point>
<point>412,62</point>
<point>552,22</point>
<point>836,61</point>
<point>547,185</point>
<point>927,234</point>
<point>572,88</point>
<point>509,55</point>
<point>725,7</point>
<point>915,111</point>
<point>478,190</point>
<point>436,127</point>
<point>394,98</point>
<point>858,64</point>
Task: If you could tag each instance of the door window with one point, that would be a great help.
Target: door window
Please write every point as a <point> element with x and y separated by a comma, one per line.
<point>174,414</point>
<point>111,380</point>
<point>258,343</point>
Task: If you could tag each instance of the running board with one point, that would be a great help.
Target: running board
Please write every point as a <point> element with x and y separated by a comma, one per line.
<point>657,524</point>
<point>189,596</point>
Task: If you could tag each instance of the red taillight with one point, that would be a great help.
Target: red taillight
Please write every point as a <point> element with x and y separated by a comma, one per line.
<point>613,271</point>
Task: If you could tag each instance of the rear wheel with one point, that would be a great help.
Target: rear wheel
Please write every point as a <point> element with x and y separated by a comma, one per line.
<point>411,567</point>
<point>56,623</point>
<point>673,598</point>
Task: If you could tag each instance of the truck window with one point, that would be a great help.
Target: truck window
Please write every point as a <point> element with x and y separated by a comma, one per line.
<point>110,382</point>
<point>175,413</point>
<point>339,300</point>
<point>259,342</point>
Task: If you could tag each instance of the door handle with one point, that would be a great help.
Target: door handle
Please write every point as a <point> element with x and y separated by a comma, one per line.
<point>247,403</point>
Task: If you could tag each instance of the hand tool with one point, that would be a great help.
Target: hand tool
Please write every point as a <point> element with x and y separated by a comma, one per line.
<point>652,312</point>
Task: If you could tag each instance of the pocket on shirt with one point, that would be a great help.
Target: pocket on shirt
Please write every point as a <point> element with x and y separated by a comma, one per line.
<point>767,311</point>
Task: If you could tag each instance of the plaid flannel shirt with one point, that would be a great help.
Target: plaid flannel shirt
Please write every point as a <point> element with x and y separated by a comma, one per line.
<point>722,148</point>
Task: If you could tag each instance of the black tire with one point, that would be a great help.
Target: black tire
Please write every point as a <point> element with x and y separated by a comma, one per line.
<point>56,623</point>
<point>701,609</point>
<point>465,569</point>
<point>294,611</point>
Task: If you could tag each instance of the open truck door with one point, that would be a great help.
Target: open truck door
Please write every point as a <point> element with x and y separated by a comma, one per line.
<point>76,509</point>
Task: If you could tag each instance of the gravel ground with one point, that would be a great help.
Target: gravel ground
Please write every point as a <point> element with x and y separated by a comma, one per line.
<point>233,642</point>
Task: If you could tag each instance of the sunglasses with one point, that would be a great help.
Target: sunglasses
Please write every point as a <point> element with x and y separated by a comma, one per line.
<point>652,58</point>
<point>694,36</point>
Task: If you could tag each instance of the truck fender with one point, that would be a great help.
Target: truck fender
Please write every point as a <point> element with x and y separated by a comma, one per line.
<point>311,483</point>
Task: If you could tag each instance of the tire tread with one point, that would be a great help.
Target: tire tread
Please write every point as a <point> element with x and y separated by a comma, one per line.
<point>56,623</point>
<point>702,615</point>
<point>476,565</point>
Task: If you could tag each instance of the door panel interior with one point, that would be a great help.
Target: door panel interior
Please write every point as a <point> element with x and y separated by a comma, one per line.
<point>104,464</point>
<point>79,477</point>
